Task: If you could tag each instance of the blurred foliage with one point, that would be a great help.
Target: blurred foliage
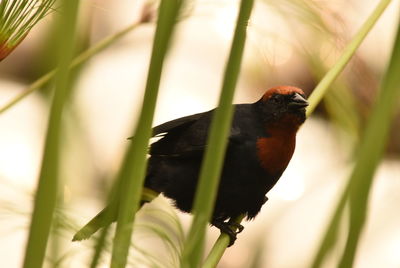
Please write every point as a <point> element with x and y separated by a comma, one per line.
<point>371,150</point>
<point>132,172</point>
<point>319,35</point>
<point>17,17</point>
<point>159,225</point>
<point>47,189</point>
<point>214,154</point>
<point>346,105</point>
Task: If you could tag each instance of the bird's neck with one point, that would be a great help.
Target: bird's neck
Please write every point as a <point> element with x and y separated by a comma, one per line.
<point>286,127</point>
<point>276,149</point>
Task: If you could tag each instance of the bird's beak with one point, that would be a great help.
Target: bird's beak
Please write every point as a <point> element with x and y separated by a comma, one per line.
<point>298,101</point>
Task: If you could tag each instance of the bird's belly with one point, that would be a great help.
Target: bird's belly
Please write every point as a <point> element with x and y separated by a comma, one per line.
<point>243,184</point>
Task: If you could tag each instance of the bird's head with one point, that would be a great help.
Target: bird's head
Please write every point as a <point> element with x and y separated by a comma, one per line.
<point>284,103</point>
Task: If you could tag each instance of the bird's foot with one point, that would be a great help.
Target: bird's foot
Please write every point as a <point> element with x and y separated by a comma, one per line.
<point>231,228</point>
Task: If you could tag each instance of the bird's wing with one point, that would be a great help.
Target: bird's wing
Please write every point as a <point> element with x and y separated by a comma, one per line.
<point>182,137</point>
<point>187,136</point>
<point>174,124</point>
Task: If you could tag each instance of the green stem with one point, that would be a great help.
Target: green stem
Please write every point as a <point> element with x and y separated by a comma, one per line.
<point>217,141</point>
<point>133,169</point>
<point>46,193</point>
<point>348,52</point>
<point>332,232</point>
<point>99,246</point>
<point>371,152</point>
<point>219,248</point>
<point>80,59</point>
<point>318,93</point>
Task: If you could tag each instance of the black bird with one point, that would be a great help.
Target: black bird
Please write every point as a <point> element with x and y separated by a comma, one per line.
<point>261,143</point>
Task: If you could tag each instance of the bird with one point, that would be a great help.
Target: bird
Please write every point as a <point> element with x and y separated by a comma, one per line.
<point>260,144</point>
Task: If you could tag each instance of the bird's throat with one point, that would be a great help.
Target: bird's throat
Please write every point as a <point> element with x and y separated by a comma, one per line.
<point>276,149</point>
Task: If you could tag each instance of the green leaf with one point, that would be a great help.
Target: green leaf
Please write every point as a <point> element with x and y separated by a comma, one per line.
<point>17,17</point>
<point>46,194</point>
<point>215,152</point>
<point>132,172</point>
<point>349,51</point>
<point>79,60</point>
<point>371,151</point>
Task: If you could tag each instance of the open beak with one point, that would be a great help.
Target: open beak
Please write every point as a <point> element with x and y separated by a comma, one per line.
<point>298,102</point>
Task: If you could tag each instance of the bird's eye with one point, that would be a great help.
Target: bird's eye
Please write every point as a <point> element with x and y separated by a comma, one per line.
<point>276,98</point>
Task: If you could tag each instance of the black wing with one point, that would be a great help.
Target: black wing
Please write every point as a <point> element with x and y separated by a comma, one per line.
<point>174,124</point>
<point>187,136</point>
<point>182,137</point>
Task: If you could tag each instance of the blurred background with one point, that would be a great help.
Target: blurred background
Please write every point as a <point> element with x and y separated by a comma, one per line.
<point>289,43</point>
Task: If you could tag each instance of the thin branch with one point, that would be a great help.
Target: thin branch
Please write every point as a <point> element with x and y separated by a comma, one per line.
<point>217,141</point>
<point>222,242</point>
<point>348,52</point>
<point>80,59</point>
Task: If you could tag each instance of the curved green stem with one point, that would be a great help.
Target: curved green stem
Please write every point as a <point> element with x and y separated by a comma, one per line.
<point>217,141</point>
<point>370,152</point>
<point>132,172</point>
<point>222,242</point>
<point>46,193</point>
<point>77,61</point>
<point>219,248</point>
<point>348,52</point>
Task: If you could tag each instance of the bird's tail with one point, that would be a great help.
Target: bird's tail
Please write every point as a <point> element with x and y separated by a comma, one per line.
<point>108,215</point>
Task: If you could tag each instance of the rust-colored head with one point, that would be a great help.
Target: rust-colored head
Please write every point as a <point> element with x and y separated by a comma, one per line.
<point>282,90</point>
<point>284,105</point>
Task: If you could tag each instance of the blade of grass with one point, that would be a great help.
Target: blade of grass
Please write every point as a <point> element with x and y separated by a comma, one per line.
<point>217,140</point>
<point>340,102</point>
<point>348,52</point>
<point>329,238</point>
<point>101,241</point>
<point>132,172</point>
<point>147,195</point>
<point>332,232</point>
<point>46,193</point>
<point>80,59</point>
<point>317,95</point>
<point>99,246</point>
<point>371,152</point>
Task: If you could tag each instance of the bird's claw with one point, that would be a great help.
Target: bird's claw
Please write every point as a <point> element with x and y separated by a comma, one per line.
<point>239,228</point>
<point>230,228</point>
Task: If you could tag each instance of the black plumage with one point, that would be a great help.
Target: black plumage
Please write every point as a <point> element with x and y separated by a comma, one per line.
<point>260,145</point>
<point>176,159</point>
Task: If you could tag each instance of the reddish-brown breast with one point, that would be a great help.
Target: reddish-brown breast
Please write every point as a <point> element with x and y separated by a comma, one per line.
<point>276,150</point>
